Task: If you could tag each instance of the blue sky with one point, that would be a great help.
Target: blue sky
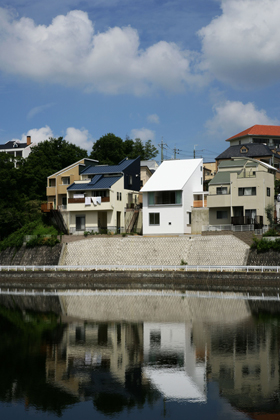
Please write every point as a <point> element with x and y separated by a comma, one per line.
<point>190,73</point>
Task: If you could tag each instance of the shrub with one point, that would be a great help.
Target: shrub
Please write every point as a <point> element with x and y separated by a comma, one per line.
<point>263,245</point>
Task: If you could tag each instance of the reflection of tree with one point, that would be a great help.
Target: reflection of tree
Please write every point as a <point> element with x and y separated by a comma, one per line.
<point>24,338</point>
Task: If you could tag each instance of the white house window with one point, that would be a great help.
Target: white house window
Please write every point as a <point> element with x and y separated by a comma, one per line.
<point>222,214</point>
<point>154,218</point>
<point>164,197</point>
<point>119,196</point>
<point>247,191</point>
<point>221,190</point>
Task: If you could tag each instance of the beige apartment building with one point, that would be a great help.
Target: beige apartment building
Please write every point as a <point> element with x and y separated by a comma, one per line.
<point>240,192</point>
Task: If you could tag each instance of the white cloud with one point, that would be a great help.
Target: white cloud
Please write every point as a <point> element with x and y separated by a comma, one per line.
<point>38,109</point>
<point>69,52</point>
<point>142,133</point>
<point>153,118</point>
<point>231,117</point>
<point>80,138</point>
<point>241,47</point>
<point>37,135</point>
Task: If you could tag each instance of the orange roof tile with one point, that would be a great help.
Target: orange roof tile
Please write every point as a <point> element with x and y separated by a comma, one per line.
<point>259,130</point>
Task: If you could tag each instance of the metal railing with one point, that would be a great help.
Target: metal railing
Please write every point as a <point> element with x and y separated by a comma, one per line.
<point>122,267</point>
<point>234,228</point>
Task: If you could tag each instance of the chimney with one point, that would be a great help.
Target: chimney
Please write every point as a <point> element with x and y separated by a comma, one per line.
<point>28,140</point>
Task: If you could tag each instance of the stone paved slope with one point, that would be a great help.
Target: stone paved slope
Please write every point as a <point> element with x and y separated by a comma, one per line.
<point>220,250</point>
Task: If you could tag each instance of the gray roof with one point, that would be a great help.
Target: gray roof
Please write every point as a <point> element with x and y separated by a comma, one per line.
<point>237,163</point>
<point>98,182</point>
<point>108,169</point>
<point>254,150</point>
<point>10,145</point>
<point>221,178</point>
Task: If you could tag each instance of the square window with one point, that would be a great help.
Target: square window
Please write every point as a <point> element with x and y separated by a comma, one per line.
<point>154,218</point>
<point>222,214</point>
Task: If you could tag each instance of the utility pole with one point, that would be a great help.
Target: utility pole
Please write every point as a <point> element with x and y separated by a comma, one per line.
<point>175,151</point>
<point>194,150</point>
<point>161,147</point>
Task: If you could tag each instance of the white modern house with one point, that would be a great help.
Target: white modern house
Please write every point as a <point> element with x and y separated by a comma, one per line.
<point>168,197</point>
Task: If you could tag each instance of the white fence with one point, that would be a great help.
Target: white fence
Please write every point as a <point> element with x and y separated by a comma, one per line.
<point>192,268</point>
<point>234,228</point>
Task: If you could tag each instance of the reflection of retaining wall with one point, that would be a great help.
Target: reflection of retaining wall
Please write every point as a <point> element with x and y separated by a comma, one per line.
<point>32,303</point>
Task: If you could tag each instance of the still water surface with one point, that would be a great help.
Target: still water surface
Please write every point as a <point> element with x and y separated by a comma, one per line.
<point>138,357</point>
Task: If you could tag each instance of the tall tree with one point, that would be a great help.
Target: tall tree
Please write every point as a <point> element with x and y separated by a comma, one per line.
<point>110,149</point>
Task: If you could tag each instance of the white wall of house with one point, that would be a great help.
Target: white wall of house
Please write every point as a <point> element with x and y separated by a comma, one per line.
<point>174,218</point>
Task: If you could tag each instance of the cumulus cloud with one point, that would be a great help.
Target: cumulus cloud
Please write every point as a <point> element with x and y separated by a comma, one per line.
<point>231,117</point>
<point>80,138</point>
<point>153,118</point>
<point>37,135</point>
<point>142,133</point>
<point>241,45</point>
<point>68,51</point>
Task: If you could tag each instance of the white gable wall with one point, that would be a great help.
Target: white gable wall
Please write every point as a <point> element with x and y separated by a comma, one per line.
<point>173,218</point>
<point>194,183</point>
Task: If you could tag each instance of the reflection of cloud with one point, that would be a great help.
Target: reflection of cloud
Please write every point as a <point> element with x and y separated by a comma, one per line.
<point>142,133</point>
<point>38,109</point>
<point>68,51</point>
<point>153,118</point>
<point>80,138</point>
<point>230,117</point>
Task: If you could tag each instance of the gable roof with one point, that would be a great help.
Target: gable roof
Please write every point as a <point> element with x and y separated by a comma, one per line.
<point>99,182</point>
<point>108,169</point>
<point>259,130</point>
<point>254,150</point>
<point>10,145</point>
<point>172,175</point>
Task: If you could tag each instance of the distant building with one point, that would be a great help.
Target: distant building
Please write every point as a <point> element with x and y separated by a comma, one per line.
<point>16,149</point>
<point>240,192</point>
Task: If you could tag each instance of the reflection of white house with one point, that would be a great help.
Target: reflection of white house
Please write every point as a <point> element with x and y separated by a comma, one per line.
<point>170,345</point>
<point>168,197</point>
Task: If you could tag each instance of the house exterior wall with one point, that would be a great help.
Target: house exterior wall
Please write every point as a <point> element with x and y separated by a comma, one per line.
<point>111,208</point>
<point>226,202</point>
<point>174,218</point>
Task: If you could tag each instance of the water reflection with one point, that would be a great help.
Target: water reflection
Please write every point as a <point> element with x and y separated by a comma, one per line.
<point>158,356</point>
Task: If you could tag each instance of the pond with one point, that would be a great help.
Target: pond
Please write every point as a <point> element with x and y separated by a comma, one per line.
<point>134,357</point>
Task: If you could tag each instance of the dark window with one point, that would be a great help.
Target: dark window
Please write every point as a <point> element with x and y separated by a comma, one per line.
<point>247,191</point>
<point>268,191</point>
<point>221,190</point>
<point>154,218</point>
<point>222,214</point>
<point>165,197</point>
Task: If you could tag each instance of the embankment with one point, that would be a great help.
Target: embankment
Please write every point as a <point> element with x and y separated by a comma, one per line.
<point>256,282</point>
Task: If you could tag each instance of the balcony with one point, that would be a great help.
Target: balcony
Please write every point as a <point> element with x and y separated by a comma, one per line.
<point>46,207</point>
<point>199,203</point>
<point>257,221</point>
<point>82,200</point>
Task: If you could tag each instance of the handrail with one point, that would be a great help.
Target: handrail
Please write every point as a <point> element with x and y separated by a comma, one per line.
<point>96,267</point>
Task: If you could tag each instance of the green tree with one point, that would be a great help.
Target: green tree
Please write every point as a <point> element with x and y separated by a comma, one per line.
<point>110,149</point>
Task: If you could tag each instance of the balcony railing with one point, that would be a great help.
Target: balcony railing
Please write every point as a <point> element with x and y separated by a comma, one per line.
<point>257,221</point>
<point>82,200</point>
<point>46,207</point>
<point>199,203</point>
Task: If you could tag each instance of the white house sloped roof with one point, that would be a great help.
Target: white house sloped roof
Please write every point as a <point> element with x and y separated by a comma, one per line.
<point>172,175</point>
